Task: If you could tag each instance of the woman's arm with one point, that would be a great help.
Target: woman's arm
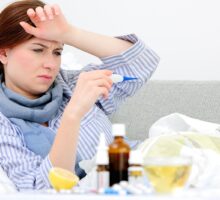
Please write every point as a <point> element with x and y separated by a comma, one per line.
<point>90,86</point>
<point>138,61</point>
<point>96,44</point>
<point>52,25</point>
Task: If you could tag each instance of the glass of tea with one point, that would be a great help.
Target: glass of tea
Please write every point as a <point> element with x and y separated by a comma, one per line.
<point>167,174</point>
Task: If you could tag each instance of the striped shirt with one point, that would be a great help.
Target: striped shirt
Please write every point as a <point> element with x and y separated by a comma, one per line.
<point>30,171</point>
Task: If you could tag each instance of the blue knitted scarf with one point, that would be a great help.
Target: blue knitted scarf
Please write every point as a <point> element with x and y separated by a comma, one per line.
<point>29,114</point>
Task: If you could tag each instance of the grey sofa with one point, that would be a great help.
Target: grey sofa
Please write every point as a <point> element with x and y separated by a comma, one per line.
<point>197,99</point>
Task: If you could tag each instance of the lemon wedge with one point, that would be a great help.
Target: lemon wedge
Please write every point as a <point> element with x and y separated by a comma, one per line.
<point>62,179</point>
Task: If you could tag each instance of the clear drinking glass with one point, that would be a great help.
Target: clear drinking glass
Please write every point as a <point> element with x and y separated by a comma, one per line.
<point>167,174</point>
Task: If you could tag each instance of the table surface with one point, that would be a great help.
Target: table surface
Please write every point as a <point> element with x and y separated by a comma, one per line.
<point>210,194</point>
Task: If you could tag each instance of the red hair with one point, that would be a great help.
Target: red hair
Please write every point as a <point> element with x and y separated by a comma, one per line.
<point>11,33</point>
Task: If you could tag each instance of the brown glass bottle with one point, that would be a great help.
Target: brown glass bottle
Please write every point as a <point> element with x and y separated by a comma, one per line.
<point>118,158</point>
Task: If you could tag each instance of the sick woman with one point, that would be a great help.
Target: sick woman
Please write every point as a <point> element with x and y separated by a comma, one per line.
<point>50,117</point>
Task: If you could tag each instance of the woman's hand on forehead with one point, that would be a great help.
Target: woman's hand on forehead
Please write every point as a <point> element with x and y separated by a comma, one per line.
<point>49,21</point>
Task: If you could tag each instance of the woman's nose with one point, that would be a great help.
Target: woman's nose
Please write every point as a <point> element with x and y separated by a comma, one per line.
<point>50,63</point>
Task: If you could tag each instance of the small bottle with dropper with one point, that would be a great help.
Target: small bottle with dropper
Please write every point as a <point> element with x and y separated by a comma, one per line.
<point>136,170</point>
<point>102,162</point>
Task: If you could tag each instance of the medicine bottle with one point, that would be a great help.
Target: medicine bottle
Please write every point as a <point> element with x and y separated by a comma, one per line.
<point>102,164</point>
<point>136,170</point>
<point>118,155</point>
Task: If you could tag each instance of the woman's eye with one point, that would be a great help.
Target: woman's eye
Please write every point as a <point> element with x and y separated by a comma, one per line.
<point>57,53</point>
<point>38,50</point>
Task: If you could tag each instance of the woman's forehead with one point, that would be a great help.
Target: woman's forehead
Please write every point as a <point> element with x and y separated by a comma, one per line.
<point>45,42</point>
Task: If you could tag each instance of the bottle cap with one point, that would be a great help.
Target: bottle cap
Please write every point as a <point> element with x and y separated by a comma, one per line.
<point>102,151</point>
<point>135,157</point>
<point>118,130</point>
<point>102,158</point>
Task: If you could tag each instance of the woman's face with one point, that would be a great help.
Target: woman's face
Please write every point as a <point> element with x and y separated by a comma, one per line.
<point>31,67</point>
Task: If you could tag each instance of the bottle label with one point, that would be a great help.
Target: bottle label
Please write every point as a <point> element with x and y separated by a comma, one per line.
<point>102,179</point>
<point>136,175</point>
<point>118,167</point>
<point>135,171</point>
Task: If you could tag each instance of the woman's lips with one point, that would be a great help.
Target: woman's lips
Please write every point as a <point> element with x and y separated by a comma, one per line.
<point>45,77</point>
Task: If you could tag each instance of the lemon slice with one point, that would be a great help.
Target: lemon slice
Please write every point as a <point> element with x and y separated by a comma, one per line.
<point>62,179</point>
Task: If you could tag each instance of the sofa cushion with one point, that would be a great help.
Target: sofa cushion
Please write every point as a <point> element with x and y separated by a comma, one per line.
<point>197,99</point>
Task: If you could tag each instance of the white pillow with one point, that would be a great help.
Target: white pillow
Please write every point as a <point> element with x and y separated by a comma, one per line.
<point>6,185</point>
<point>70,62</point>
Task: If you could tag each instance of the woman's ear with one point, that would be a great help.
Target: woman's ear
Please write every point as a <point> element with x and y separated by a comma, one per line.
<point>3,56</point>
